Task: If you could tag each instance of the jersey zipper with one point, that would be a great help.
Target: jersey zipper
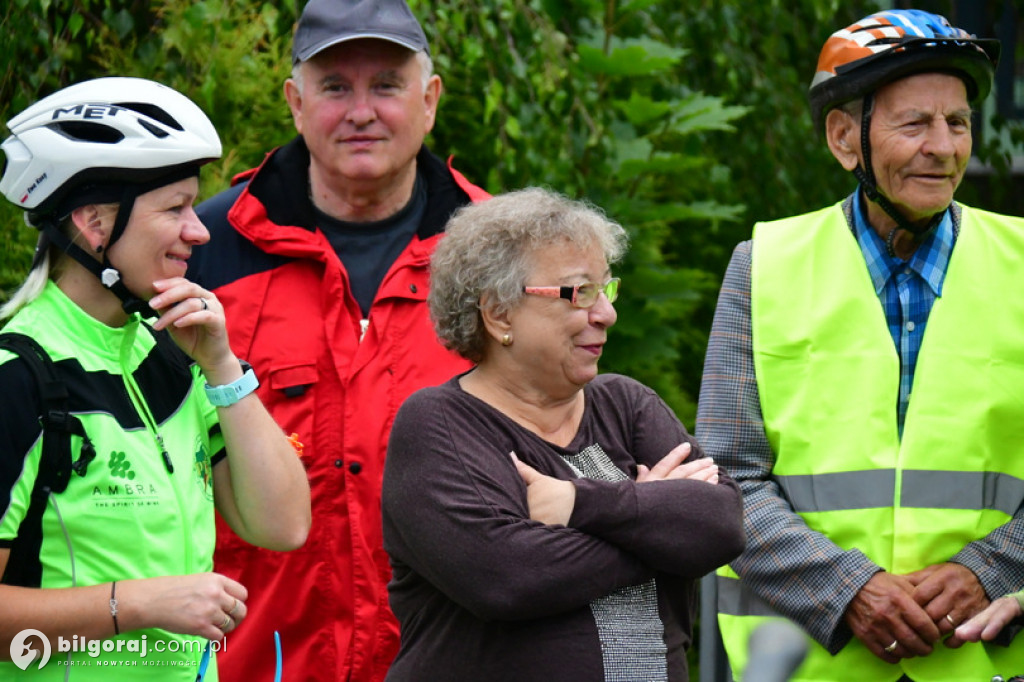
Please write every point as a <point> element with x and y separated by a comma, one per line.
<point>135,393</point>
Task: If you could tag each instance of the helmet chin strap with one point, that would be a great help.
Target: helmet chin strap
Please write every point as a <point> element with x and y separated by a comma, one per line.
<point>107,274</point>
<point>866,177</point>
<point>110,277</point>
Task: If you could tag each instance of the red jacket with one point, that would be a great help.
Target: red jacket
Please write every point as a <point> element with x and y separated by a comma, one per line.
<point>291,314</point>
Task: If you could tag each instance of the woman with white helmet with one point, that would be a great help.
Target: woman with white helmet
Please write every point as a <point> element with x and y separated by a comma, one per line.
<point>106,505</point>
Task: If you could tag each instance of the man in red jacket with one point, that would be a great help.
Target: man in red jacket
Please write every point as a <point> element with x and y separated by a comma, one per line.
<point>320,259</point>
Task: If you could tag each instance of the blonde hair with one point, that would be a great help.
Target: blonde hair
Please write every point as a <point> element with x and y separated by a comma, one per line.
<point>48,266</point>
<point>31,287</point>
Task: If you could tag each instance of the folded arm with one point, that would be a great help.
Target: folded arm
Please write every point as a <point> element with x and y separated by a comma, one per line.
<point>683,518</point>
<point>455,513</point>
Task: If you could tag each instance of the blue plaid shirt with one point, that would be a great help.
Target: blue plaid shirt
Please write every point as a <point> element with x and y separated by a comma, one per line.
<point>907,290</point>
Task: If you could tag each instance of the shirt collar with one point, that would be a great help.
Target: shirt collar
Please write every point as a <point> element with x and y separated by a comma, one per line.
<point>929,261</point>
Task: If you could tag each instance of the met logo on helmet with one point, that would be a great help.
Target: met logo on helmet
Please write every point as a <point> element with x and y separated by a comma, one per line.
<point>87,112</point>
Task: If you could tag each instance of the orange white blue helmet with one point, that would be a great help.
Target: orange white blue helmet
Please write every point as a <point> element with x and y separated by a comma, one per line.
<point>886,46</point>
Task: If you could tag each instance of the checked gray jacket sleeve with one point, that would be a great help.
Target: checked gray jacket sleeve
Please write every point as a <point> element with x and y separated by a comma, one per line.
<point>796,571</point>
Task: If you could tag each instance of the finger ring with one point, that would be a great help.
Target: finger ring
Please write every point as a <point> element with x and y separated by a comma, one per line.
<point>203,301</point>
<point>949,617</point>
<point>234,608</point>
<point>889,649</point>
<point>227,621</point>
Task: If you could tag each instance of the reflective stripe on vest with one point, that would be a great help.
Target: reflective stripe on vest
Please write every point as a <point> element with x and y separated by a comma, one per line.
<point>920,489</point>
<point>958,473</point>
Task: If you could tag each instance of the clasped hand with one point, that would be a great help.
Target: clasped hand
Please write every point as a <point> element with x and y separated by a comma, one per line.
<point>902,616</point>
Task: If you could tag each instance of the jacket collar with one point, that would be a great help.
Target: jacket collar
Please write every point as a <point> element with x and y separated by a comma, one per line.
<point>281,184</point>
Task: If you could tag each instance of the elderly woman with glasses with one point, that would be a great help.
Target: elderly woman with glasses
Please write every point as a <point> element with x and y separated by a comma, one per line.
<point>544,522</point>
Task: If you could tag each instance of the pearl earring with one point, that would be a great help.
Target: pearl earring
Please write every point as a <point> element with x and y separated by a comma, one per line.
<point>506,340</point>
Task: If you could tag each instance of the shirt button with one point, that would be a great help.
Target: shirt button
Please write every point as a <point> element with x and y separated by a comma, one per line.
<point>355,467</point>
<point>906,271</point>
<point>338,463</point>
<point>910,326</point>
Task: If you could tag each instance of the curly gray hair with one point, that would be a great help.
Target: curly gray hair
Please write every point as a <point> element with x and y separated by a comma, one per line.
<point>487,250</point>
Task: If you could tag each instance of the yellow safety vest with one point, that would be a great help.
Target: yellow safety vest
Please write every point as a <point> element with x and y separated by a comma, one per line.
<point>828,377</point>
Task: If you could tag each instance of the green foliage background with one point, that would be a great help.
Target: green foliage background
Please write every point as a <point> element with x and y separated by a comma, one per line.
<point>685,120</point>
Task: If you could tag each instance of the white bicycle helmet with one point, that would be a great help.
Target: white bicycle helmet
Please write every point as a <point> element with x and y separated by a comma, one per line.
<point>107,140</point>
<point>108,131</point>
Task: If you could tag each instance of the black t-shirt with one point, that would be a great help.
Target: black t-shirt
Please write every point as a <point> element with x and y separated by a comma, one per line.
<point>368,250</point>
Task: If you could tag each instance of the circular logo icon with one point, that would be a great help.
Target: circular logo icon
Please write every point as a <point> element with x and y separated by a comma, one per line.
<point>22,655</point>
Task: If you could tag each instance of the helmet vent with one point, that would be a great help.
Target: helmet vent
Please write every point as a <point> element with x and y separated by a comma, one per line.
<point>153,112</point>
<point>157,132</point>
<point>84,131</point>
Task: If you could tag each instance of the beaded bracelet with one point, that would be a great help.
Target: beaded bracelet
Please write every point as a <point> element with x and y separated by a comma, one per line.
<point>113,607</point>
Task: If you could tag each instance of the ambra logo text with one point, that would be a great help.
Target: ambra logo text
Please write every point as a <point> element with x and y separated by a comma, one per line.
<point>22,654</point>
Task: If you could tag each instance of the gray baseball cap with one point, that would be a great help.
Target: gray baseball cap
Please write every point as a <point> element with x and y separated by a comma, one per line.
<point>328,22</point>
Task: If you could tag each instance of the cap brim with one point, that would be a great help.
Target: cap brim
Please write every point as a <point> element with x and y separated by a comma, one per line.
<point>311,52</point>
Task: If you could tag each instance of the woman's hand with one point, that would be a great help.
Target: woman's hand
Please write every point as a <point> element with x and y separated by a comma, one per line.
<point>205,604</point>
<point>987,624</point>
<point>671,467</point>
<point>550,500</point>
<point>195,320</point>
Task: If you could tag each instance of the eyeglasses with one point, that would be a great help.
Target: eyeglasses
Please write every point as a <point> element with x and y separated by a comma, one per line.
<point>580,295</point>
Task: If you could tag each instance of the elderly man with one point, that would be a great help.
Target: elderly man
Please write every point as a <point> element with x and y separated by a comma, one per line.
<point>320,258</point>
<point>864,379</point>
